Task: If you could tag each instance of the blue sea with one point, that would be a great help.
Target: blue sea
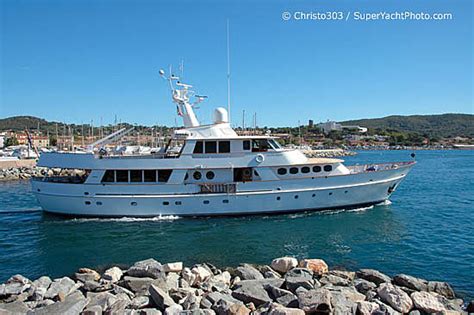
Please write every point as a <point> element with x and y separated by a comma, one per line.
<point>427,231</point>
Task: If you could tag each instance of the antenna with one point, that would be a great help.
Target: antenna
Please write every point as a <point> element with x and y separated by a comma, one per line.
<point>228,71</point>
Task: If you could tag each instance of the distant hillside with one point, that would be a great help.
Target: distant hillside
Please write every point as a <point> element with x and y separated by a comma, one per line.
<point>445,125</point>
<point>20,123</point>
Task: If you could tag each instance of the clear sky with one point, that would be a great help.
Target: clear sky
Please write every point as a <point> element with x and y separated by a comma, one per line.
<point>79,60</point>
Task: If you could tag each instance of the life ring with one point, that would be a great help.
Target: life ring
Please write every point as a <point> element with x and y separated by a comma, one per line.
<point>259,158</point>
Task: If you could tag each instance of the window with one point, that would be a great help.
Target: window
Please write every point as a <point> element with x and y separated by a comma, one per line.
<point>224,146</point>
<point>109,176</point>
<point>206,202</point>
<point>133,203</point>
<point>246,145</point>
<point>260,145</point>
<point>99,203</point>
<point>164,175</point>
<point>225,201</point>
<point>166,203</point>
<point>211,146</point>
<point>122,176</point>
<point>327,168</point>
<point>178,203</point>
<point>281,171</point>
<point>135,176</point>
<point>87,202</point>
<point>210,175</point>
<point>317,169</point>
<point>305,169</point>
<point>197,175</point>
<point>149,176</point>
<point>274,144</point>
<point>198,147</point>
<point>294,170</point>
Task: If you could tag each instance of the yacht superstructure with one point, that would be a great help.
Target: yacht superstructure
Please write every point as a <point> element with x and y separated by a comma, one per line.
<point>208,170</point>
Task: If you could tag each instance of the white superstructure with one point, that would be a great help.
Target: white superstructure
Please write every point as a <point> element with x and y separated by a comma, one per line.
<point>210,170</point>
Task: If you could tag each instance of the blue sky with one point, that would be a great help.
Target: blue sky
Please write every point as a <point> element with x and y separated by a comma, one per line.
<point>78,60</point>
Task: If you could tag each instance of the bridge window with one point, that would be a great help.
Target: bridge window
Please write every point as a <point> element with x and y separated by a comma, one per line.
<point>260,145</point>
<point>122,176</point>
<point>149,176</point>
<point>135,176</point>
<point>317,169</point>
<point>224,146</point>
<point>164,175</point>
<point>211,146</point>
<point>198,148</point>
<point>327,168</point>
<point>305,169</point>
<point>109,176</point>
<point>246,145</point>
<point>294,170</point>
<point>281,171</point>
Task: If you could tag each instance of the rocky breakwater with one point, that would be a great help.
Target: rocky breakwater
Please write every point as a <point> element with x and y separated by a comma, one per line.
<point>19,173</point>
<point>335,153</point>
<point>285,287</point>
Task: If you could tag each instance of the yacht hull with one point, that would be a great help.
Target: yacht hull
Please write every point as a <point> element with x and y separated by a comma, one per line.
<point>346,191</point>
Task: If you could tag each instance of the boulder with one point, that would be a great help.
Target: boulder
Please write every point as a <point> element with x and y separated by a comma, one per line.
<point>349,275</point>
<point>148,311</point>
<point>385,309</point>
<point>102,299</point>
<point>15,285</point>
<point>442,288</point>
<point>62,286</point>
<point>141,301</point>
<point>367,308</point>
<point>13,308</point>
<point>470,307</point>
<point>300,277</point>
<point>315,301</point>
<point>174,309</point>
<point>395,297</point>
<point>410,282</point>
<point>188,276</point>
<point>74,303</point>
<point>251,291</point>
<point>225,307</point>
<point>281,296</point>
<point>113,274</point>
<point>268,272</point>
<point>86,274</point>
<point>283,264</point>
<point>201,274</point>
<point>364,286</point>
<point>318,266</point>
<point>173,267</point>
<point>426,302</point>
<point>334,280</point>
<point>248,272</point>
<point>146,268</point>
<point>277,309</point>
<point>42,282</point>
<point>118,307</point>
<point>344,299</point>
<point>135,284</point>
<point>93,310</point>
<point>373,275</point>
<point>160,297</point>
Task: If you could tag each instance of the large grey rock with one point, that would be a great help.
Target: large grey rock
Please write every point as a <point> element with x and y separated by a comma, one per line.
<point>225,307</point>
<point>410,282</point>
<point>117,308</point>
<point>385,309</point>
<point>73,304</point>
<point>315,301</point>
<point>344,299</point>
<point>136,284</point>
<point>113,274</point>
<point>281,296</point>
<point>276,309</point>
<point>42,282</point>
<point>191,301</point>
<point>426,302</point>
<point>173,267</point>
<point>13,308</point>
<point>442,288</point>
<point>15,285</point>
<point>252,291</point>
<point>62,286</point>
<point>367,308</point>
<point>208,300</point>
<point>202,273</point>
<point>188,276</point>
<point>86,274</point>
<point>334,280</point>
<point>102,299</point>
<point>160,297</point>
<point>300,277</point>
<point>349,275</point>
<point>146,268</point>
<point>174,309</point>
<point>248,272</point>
<point>92,310</point>
<point>283,264</point>
<point>172,281</point>
<point>141,301</point>
<point>364,286</point>
<point>395,297</point>
<point>268,272</point>
<point>373,275</point>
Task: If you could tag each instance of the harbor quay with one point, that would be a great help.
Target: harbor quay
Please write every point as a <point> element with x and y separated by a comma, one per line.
<point>285,286</point>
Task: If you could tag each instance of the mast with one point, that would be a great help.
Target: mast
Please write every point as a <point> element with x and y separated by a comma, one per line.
<point>228,71</point>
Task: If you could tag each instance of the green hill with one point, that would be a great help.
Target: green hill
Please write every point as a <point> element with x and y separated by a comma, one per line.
<point>445,125</point>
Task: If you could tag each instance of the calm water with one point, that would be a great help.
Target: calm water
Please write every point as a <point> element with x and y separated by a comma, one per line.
<point>427,231</point>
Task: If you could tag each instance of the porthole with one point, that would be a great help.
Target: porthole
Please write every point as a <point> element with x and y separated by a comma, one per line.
<point>317,169</point>
<point>305,169</point>
<point>296,196</point>
<point>282,171</point>
<point>225,201</point>
<point>294,170</point>
<point>87,202</point>
<point>166,203</point>
<point>278,198</point>
<point>210,175</point>
<point>345,191</point>
<point>330,193</point>
<point>133,203</point>
<point>206,202</point>
<point>313,195</point>
<point>86,193</point>
<point>99,203</point>
<point>38,189</point>
<point>178,203</point>
<point>327,168</point>
<point>197,175</point>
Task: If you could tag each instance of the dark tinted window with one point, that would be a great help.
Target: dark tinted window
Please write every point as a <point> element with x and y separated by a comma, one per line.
<point>246,145</point>
<point>224,146</point>
<point>282,171</point>
<point>198,148</point>
<point>109,176</point>
<point>197,175</point>
<point>317,169</point>
<point>327,168</point>
<point>135,176</point>
<point>149,175</point>
<point>305,169</point>
<point>122,176</point>
<point>211,147</point>
<point>210,175</point>
<point>164,175</point>
<point>294,170</point>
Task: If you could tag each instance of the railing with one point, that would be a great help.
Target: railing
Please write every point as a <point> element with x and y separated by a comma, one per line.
<point>354,169</point>
<point>217,188</point>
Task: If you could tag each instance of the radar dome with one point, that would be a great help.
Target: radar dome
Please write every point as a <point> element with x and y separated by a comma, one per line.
<point>220,115</point>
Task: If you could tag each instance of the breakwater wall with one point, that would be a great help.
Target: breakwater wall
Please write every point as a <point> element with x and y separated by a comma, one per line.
<point>284,287</point>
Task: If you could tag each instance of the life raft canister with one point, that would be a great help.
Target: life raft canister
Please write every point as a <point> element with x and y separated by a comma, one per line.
<point>259,158</point>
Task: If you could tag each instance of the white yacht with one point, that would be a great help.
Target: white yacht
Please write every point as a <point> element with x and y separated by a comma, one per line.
<point>208,170</point>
